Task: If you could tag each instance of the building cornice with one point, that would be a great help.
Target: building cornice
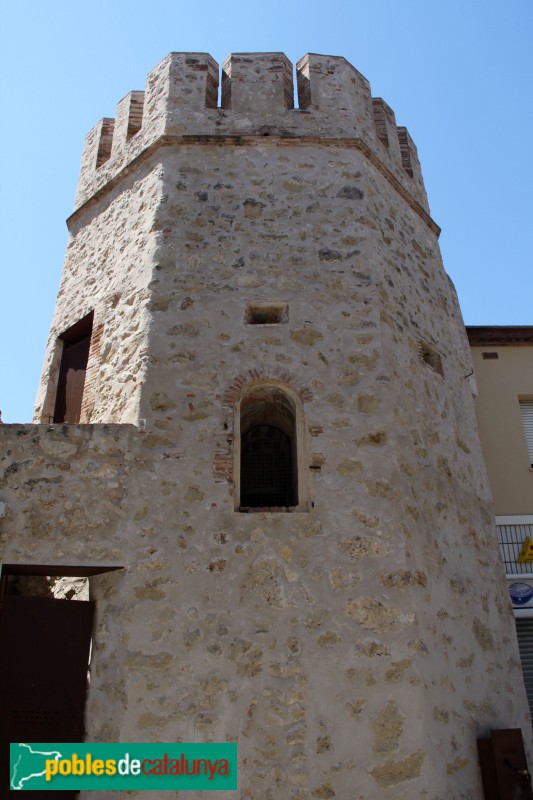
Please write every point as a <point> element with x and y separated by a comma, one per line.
<point>500,334</point>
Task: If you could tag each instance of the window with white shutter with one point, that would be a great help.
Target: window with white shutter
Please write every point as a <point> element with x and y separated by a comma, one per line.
<point>526,410</point>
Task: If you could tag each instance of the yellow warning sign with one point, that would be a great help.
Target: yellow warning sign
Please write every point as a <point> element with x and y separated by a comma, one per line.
<point>526,553</point>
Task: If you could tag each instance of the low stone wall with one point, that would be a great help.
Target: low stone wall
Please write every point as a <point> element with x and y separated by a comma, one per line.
<point>266,629</point>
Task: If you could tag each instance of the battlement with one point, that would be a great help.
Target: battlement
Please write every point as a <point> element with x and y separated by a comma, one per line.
<point>181,103</point>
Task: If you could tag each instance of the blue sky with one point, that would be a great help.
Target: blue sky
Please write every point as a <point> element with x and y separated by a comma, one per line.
<point>458,74</point>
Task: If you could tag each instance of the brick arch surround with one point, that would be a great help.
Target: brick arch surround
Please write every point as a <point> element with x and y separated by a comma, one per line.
<point>245,380</point>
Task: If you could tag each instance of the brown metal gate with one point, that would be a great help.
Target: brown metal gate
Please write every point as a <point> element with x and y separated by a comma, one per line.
<point>44,656</point>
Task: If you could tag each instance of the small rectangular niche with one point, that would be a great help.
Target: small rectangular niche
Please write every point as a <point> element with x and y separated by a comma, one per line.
<point>266,313</point>
<point>431,358</point>
<point>487,356</point>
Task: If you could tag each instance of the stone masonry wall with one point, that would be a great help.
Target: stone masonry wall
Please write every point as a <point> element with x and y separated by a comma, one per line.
<point>339,657</point>
<point>108,268</point>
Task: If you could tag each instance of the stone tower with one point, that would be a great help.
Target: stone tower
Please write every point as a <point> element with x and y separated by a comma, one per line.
<point>256,401</point>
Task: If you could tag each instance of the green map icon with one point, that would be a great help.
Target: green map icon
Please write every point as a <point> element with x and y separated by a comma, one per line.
<point>28,764</point>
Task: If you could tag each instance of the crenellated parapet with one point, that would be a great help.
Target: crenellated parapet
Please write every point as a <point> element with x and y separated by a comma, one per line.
<point>182,104</point>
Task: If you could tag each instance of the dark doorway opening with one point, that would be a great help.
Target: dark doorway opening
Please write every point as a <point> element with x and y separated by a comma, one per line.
<point>73,369</point>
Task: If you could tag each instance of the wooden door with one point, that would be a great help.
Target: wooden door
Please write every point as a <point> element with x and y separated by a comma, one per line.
<point>44,656</point>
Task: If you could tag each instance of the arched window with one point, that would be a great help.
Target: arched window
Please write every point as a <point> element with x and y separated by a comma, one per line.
<point>268,450</point>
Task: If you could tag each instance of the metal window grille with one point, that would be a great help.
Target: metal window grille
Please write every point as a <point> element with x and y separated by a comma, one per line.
<point>511,539</point>
<point>267,476</point>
